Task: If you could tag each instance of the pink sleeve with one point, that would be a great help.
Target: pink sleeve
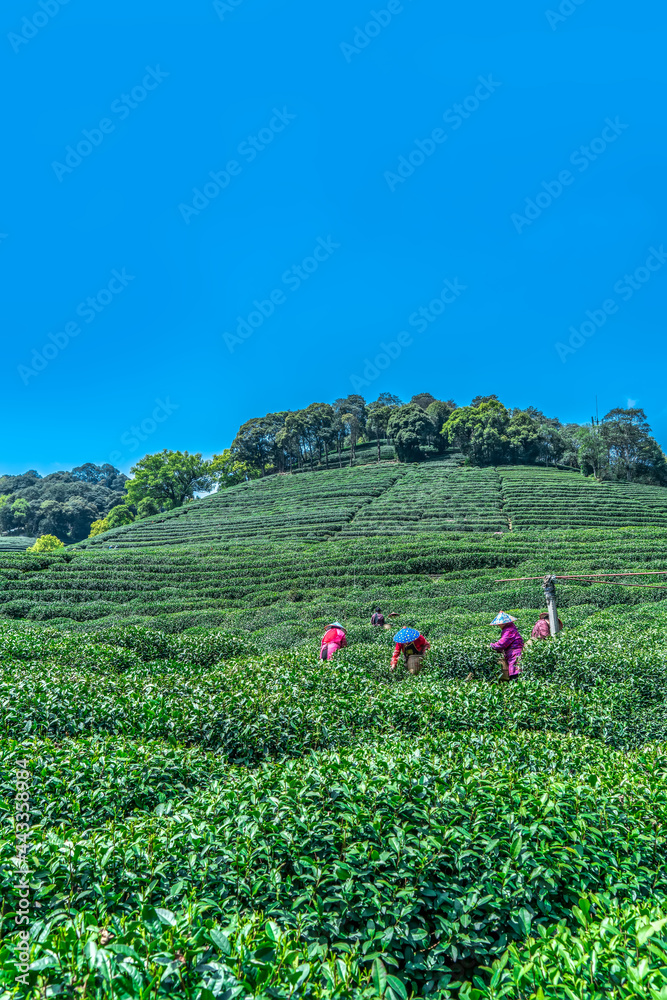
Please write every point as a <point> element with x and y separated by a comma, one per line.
<point>502,643</point>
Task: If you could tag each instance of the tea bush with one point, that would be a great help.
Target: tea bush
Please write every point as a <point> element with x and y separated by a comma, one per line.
<point>216,813</point>
<point>429,854</point>
<point>616,953</point>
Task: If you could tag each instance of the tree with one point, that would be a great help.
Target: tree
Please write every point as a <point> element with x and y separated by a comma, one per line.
<point>6,516</point>
<point>591,451</point>
<point>147,508</point>
<point>478,400</point>
<point>46,543</point>
<point>352,423</point>
<point>409,427</point>
<point>379,416</point>
<point>351,413</point>
<point>64,504</point>
<point>256,442</point>
<point>480,432</point>
<point>79,515</point>
<point>229,470</point>
<point>295,436</point>
<point>169,477</point>
<point>524,434</point>
<point>440,410</point>
<point>119,516</point>
<point>320,424</point>
<point>102,475</point>
<point>553,442</point>
<point>423,400</point>
<point>289,441</point>
<point>20,512</point>
<point>99,527</point>
<point>52,519</point>
<point>631,451</point>
<point>388,399</point>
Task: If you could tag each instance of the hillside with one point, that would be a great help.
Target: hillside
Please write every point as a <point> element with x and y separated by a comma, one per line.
<point>227,815</point>
<point>393,499</point>
<point>287,553</point>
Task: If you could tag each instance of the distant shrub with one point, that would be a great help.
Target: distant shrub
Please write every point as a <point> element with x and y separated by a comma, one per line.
<point>99,527</point>
<point>46,543</point>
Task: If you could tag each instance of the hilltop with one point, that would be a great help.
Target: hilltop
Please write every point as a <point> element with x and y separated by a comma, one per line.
<point>305,548</point>
<point>395,499</point>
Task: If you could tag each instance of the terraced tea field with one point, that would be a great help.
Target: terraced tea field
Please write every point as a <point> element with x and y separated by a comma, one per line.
<point>544,498</point>
<point>213,812</point>
<point>15,543</point>
<point>391,499</point>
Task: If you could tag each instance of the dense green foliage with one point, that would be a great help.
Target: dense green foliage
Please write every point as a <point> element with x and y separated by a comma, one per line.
<point>168,478</point>
<point>486,432</point>
<point>218,814</point>
<point>64,504</point>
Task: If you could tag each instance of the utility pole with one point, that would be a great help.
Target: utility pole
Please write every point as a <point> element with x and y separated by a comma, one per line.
<point>549,584</point>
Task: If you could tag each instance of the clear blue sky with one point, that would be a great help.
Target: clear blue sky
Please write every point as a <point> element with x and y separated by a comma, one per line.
<point>362,159</point>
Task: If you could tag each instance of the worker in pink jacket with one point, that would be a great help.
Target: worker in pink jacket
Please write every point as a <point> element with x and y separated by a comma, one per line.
<point>510,646</point>
<point>541,628</point>
<point>332,640</point>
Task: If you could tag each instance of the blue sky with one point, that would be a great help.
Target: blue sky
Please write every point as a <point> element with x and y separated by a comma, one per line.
<point>215,210</point>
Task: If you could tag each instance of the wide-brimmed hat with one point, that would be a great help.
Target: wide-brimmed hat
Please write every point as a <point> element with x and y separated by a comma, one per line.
<point>336,625</point>
<point>503,619</point>
<point>406,635</point>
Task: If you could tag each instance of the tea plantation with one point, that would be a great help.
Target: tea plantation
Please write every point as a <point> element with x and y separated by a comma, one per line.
<point>216,813</point>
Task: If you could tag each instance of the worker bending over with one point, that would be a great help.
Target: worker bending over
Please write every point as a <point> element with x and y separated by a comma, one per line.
<point>541,628</point>
<point>509,646</point>
<point>332,640</point>
<point>412,645</point>
<point>377,618</point>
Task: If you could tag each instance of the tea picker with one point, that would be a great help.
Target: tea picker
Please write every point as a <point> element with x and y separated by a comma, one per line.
<point>378,619</point>
<point>412,644</point>
<point>333,639</point>
<point>509,646</point>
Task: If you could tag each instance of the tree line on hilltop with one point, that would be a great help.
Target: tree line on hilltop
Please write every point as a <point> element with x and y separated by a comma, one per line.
<point>486,432</point>
<point>92,499</point>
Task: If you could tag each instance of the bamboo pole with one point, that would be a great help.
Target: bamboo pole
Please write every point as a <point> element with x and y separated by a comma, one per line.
<point>583,576</point>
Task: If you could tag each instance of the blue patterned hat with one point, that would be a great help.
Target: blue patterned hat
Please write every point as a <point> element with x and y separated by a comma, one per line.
<point>406,635</point>
<point>503,619</point>
<point>336,625</point>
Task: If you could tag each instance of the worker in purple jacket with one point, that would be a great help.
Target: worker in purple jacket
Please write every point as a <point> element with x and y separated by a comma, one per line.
<point>510,646</point>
